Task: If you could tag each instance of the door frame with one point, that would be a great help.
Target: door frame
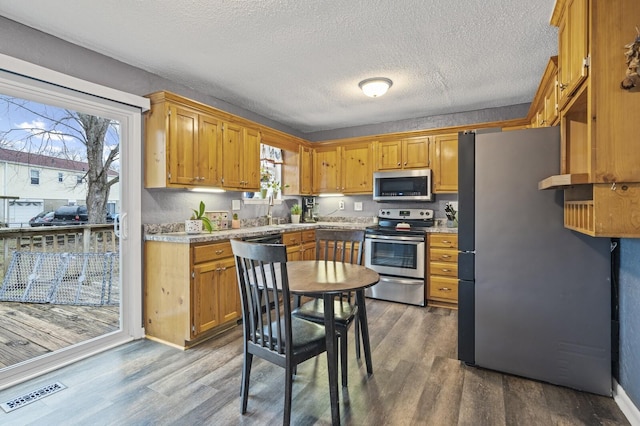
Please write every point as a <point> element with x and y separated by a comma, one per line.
<point>33,82</point>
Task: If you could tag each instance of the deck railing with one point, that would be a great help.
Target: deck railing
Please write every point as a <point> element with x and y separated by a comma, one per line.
<point>57,239</point>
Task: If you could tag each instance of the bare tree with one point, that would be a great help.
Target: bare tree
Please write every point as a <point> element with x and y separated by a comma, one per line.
<point>54,136</point>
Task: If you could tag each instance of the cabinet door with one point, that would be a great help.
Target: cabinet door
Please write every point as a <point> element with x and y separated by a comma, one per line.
<point>309,251</point>
<point>574,48</point>
<point>415,153</point>
<point>390,155</point>
<point>445,165</point>
<point>325,170</point>
<point>228,292</point>
<point>232,164</point>
<point>551,103</point>
<point>357,168</point>
<point>251,160</point>
<point>306,170</point>
<point>209,151</point>
<point>206,313</point>
<point>183,145</point>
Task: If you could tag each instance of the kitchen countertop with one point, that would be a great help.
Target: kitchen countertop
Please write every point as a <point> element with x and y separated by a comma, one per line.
<point>183,237</point>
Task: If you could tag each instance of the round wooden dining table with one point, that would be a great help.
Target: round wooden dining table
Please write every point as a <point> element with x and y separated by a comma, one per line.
<point>331,278</point>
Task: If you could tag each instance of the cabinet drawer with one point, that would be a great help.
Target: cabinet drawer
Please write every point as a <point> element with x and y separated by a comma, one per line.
<point>443,288</point>
<point>449,269</point>
<point>291,238</point>
<point>443,240</point>
<point>309,235</point>
<point>443,255</point>
<point>207,252</point>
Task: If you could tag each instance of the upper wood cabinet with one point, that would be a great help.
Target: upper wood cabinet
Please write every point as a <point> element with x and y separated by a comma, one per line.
<point>599,154</point>
<point>544,108</point>
<point>185,143</point>
<point>182,146</point>
<point>445,163</point>
<point>297,171</point>
<point>404,154</point>
<point>240,157</point>
<point>346,169</point>
<point>357,168</point>
<point>573,46</point>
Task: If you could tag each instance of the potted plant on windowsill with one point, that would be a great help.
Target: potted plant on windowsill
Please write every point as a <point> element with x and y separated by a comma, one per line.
<point>296,210</point>
<point>197,221</point>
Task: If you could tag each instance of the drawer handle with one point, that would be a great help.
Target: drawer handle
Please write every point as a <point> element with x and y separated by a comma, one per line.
<point>219,251</point>
<point>445,256</point>
<point>446,270</point>
<point>444,289</point>
<point>446,242</point>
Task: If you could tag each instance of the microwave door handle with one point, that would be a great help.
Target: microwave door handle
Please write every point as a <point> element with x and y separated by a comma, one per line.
<point>396,238</point>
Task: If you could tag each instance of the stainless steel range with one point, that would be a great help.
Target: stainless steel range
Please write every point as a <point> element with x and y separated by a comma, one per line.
<point>395,248</point>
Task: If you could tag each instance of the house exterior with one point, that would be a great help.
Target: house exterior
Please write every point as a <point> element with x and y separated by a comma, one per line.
<point>42,183</point>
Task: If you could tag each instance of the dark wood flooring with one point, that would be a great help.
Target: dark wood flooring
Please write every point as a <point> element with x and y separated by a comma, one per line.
<point>417,381</point>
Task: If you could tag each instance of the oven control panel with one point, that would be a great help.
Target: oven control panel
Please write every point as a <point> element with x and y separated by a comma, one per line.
<point>405,213</point>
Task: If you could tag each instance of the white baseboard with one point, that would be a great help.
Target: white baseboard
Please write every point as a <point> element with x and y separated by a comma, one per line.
<point>626,405</point>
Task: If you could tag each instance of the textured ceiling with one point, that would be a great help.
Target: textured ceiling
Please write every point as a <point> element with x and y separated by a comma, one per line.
<point>299,62</point>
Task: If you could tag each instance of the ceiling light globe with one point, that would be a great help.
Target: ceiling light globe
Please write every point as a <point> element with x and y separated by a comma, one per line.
<point>374,87</point>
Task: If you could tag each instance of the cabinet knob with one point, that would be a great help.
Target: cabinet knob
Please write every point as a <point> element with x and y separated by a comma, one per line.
<point>562,86</point>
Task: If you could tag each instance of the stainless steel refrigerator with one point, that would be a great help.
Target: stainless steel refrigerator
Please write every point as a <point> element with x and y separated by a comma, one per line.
<point>534,297</point>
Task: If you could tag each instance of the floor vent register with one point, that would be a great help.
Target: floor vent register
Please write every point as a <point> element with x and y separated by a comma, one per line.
<point>28,398</point>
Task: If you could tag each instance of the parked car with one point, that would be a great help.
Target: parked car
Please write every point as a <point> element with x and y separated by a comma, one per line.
<point>70,215</point>
<point>42,219</point>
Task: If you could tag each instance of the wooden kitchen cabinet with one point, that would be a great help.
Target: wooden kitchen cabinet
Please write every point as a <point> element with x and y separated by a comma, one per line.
<point>544,107</point>
<point>190,291</point>
<point>445,163</point>
<point>598,160</point>
<point>297,171</point>
<point>572,17</point>
<point>346,169</point>
<point>188,144</point>
<point>182,145</point>
<point>301,245</point>
<point>410,153</point>
<point>442,282</point>
<point>240,157</point>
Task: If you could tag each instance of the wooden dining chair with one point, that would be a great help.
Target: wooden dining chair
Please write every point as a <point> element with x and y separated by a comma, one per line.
<point>270,331</point>
<point>340,246</point>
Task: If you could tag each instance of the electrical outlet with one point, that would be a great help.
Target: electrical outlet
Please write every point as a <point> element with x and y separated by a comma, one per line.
<point>341,205</point>
<point>357,206</point>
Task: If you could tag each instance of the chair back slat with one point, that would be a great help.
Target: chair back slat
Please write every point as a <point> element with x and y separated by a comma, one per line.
<point>262,278</point>
<point>340,245</point>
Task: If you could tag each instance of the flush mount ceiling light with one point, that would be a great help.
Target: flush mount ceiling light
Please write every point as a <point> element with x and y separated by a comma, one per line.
<point>374,87</point>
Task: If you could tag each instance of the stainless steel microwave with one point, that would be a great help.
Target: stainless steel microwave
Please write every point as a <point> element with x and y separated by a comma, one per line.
<point>402,185</point>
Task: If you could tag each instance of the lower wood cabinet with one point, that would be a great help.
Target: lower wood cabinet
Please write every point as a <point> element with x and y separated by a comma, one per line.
<point>301,245</point>
<point>190,291</point>
<point>442,282</point>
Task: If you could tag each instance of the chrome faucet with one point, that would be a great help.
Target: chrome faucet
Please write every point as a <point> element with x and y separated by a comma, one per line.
<point>269,215</point>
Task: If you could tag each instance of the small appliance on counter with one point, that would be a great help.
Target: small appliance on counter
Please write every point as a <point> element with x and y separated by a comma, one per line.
<point>309,209</point>
<point>395,248</point>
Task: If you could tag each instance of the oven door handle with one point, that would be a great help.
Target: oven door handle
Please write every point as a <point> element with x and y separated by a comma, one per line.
<point>395,238</point>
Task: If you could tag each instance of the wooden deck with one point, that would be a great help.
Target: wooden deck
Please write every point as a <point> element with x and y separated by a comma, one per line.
<point>28,330</point>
